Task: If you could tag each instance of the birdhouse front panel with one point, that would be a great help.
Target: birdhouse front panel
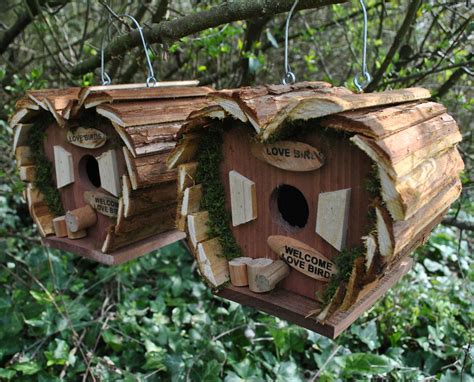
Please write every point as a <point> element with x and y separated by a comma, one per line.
<point>305,200</point>
<point>326,208</point>
<point>95,163</point>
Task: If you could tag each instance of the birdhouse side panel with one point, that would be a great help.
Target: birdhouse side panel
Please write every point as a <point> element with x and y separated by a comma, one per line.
<point>281,196</point>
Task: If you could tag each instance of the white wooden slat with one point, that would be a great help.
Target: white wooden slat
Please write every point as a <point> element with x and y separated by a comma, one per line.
<point>108,170</point>
<point>64,166</point>
<point>243,199</point>
<point>333,217</point>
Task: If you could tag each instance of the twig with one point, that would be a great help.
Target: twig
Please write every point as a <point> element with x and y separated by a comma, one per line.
<point>321,369</point>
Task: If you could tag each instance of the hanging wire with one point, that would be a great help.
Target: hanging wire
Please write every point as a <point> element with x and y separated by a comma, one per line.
<point>289,77</point>
<point>361,84</point>
<point>105,78</point>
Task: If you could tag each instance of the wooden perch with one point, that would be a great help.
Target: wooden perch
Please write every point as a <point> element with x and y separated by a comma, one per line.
<point>60,226</point>
<point>238,271</point>
<point>267,277</point>
<point>81,218</point>
<point>254,268</point>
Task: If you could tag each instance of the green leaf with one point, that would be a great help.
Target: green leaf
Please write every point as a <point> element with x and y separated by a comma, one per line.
<point>27,368</point>
<point>366,364</point>
<point>7,373</point>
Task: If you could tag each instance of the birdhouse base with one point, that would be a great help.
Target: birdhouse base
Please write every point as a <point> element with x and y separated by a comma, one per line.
<point>294,308</point>
<point>84,248</point>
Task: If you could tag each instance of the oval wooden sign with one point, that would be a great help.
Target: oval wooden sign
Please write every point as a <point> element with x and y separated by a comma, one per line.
<point>302,257</point>
<point>86,137</point>
<point>104,204</point>
<point>289,155</point>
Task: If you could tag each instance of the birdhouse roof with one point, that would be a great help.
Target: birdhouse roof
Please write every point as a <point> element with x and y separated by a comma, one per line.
<point>402,131</point>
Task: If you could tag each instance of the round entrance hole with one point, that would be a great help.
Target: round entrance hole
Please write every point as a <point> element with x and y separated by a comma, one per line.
<point>292,206</point>
<point>89,170</point>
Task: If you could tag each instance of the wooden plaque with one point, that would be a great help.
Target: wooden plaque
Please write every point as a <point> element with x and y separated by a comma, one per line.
<point>86,137</point>
<point>289,155</point>
<point>104,204</point>
<point>302,258</point>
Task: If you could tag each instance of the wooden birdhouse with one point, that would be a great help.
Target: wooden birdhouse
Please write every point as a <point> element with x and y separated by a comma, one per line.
<point>305,201</point>
<point>94,160</point>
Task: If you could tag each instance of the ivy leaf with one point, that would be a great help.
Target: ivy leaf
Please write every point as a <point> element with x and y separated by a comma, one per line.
<point>366,364</point>
<point>28,368</point>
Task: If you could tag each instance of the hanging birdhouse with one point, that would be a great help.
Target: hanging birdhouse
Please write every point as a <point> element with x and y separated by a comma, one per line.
<point>305,200</point>
<point>94,160</point>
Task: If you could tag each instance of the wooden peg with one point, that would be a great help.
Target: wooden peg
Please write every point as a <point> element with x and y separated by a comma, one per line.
<point>81,218</point>
<point>267,277</point>
<point>60,226</point>
<point>254,268</point>
<point>238,271</point>
<point>76,235</point>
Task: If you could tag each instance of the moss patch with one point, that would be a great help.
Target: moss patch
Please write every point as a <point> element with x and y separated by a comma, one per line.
<point>344,264</point>
<point>209,157</point>
<point>44,180</point>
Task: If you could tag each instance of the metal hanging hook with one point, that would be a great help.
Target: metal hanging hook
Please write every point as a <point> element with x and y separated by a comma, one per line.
<point>105,78</point>
<point>289,77</point>
<point>359,82</point>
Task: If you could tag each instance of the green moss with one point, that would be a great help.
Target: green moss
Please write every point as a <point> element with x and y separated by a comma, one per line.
<point>372,183</point>
<point>209,158</point>
<point>344,263</point>
<point>44,180</point>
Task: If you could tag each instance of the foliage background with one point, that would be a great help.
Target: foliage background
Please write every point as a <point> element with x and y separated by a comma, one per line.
<point>65,318</point>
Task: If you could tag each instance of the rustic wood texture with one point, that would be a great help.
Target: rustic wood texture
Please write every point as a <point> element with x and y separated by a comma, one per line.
<point>72,196</point>
<point>238,271</point>
<point>109,172</point>
<point>336,174</point>
<point>24,156</point>
<point>64,166</point>
<point>186,176</point>
<point>289,155</point>
<point>149,170</point>
<point>380,122</point>
<point>302,257</point>
<point>86,248</point>
<point>198,227</point>
<point>294,308</point>
<point>146,199</point>
<point>212,265</point>
<point>60,226</point>
<point>243,198</point>
<point>28,173</point>
<point>81,218</point>
<point>254,268</point>
<point>333,217</point>
<point>267,279</point>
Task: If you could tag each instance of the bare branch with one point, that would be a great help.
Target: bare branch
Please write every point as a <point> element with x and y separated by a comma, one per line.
<point>173,30</point>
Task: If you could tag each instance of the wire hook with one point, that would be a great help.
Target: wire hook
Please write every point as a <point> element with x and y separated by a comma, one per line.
<point>359,83</point>
<point>105,78</point>
<point>289,77</point>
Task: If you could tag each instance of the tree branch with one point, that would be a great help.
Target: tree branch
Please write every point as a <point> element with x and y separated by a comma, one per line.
<point>23,20</point>
<point>464,225</point>
<point>407,22</point>
<point>173,30</point>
